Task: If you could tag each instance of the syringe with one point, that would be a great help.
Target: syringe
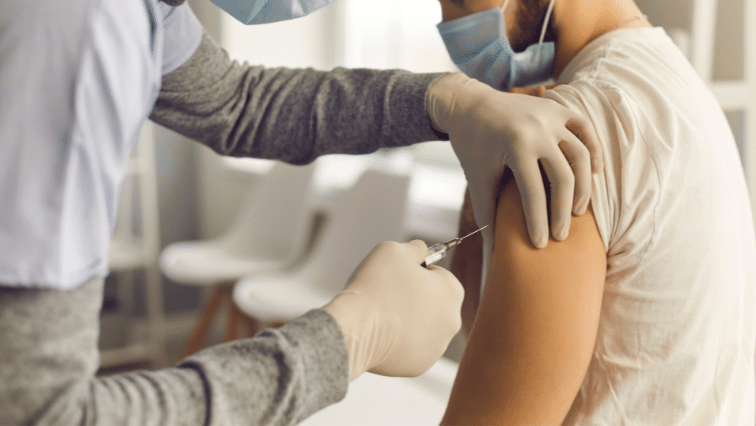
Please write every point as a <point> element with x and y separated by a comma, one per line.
<point>436,252</point>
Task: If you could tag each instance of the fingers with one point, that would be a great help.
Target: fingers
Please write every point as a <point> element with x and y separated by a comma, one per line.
<point>446,278</point>
<point>583,129</point>
<point>528,178</point>
<point>532,91</point>
<point>578,157</point>
<point>562,183</point>
<point>483,204</point>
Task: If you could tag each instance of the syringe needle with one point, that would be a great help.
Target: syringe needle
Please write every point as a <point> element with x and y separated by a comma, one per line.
<point>473,232</point>
<point>436,252</point>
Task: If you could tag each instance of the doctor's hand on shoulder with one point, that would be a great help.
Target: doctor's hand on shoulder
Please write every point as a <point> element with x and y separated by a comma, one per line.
<point>397,317</point>
<point>491,130</point>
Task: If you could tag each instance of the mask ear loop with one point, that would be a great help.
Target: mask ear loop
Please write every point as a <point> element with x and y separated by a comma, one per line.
<point>543,30</point>
<point>504,6</point>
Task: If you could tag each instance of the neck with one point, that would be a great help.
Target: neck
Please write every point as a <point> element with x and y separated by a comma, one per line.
<point>578,22</point>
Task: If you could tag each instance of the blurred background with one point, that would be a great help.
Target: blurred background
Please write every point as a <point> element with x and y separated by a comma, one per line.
<point>180,191</point>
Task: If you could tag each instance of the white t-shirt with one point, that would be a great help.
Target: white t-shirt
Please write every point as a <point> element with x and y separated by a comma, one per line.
<point>676,334</point>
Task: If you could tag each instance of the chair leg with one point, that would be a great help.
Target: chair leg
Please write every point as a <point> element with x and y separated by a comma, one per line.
<point>245,322</point>
<point>198,337</point>
<point>250,323</point>
<point>233,323</point>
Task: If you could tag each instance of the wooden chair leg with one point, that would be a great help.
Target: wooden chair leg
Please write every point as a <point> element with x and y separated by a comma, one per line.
<point>198,337</point>
<point>250,323</point>
<point>233,323</point>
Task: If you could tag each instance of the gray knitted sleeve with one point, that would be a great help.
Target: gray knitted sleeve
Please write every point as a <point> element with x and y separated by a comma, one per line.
<point>293,115</point>
<point>48,347</point>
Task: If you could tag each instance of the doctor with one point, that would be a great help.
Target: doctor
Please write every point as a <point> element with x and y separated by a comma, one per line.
<point>77,81</point>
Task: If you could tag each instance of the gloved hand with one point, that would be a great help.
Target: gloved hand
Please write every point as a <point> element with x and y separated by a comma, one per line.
<point>490,130</point>
<point>397,317</point>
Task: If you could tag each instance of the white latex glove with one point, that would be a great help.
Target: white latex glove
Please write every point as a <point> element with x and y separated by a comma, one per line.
<point>397,316</point>
<point>490,130</point>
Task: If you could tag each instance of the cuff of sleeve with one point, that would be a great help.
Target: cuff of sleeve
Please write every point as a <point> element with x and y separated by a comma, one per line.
<point>409,117</point>
<point>281,376</point>
<point>319,336</point>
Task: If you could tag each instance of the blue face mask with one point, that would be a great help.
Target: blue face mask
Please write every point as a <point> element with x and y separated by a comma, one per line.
<point>478,45</point>
<point>265,11</point>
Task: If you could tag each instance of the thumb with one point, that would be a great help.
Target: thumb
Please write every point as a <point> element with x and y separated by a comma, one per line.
<point>483,208</point>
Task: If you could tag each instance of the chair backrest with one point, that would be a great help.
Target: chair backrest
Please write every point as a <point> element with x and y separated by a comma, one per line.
<point>372,211</point>
<point>273,220</point>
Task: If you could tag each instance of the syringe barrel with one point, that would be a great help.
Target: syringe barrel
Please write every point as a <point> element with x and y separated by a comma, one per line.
<point>436,252</point>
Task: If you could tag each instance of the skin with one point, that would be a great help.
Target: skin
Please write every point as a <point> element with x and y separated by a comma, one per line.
<point>532,331</point>
<point>532,338</point>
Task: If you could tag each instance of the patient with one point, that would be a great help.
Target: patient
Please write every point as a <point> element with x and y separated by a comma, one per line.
<point>644,315</point>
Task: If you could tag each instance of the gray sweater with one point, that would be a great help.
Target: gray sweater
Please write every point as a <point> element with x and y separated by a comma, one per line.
<point>293,115</point>
<point>48,338</point>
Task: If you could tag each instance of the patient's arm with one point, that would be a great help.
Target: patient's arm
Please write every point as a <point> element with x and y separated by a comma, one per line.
<point>536,325</point>
<point>466,259</point>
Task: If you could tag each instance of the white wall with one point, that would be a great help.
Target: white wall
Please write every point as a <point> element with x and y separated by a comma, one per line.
<point>728,58</point>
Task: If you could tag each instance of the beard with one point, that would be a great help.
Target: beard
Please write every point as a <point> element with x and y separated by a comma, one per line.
<point>173,2</point>
<point>529,17</point>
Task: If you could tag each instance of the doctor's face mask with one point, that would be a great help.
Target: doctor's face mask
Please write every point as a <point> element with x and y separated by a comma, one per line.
<point>479,46</point>
<point>265,11</point>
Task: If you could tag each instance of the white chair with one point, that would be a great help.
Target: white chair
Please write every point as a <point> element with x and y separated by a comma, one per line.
<point>135,244</point>
<point>269,233</point>
<point>370,212</point>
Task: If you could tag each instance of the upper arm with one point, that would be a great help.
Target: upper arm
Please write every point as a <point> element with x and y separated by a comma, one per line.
<point>536,325</point>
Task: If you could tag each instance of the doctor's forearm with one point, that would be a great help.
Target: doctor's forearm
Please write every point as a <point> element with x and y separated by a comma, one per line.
<point>49,355</point>
<point>293,115</point>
